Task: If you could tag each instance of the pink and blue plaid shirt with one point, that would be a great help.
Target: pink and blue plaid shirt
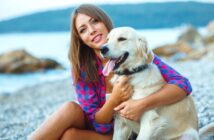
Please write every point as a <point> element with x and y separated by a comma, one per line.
<point>92,96</point>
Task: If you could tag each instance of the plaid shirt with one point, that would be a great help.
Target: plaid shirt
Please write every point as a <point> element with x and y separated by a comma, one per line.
<point>92,95</point>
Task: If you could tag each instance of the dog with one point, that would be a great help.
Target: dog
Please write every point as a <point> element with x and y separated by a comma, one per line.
<point>129,55</point>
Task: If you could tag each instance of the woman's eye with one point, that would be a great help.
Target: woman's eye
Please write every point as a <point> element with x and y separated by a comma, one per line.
<point>82,30</point>
<point>94,20</point>
<point>121,39</point>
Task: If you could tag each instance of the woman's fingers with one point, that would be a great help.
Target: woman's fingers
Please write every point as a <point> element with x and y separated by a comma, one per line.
<point>122,90</point>
<point>125,87</point>
<point>128,92</point>
<point>119,107</point>
<point>122,80</point>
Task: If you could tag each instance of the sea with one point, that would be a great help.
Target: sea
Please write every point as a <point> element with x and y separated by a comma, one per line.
<point>55,45</point>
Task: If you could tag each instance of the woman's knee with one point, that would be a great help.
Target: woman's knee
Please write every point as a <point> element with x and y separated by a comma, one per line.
<point>71,107</point>
<point>74,113</point>
<point>69,134</point>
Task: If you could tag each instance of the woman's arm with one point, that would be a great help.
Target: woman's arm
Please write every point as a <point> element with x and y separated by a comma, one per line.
<point>101,117</point>
<point>171,76</point>
<point>89,101</point>
<point>121,92</point>
<point>133,109</point>
<point>167,95</point>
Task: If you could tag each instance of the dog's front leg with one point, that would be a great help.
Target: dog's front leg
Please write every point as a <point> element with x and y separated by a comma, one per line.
<point>121,130</point>
<point>151,125</point>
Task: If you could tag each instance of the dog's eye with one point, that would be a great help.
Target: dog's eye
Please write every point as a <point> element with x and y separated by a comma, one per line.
<point>121,39</point>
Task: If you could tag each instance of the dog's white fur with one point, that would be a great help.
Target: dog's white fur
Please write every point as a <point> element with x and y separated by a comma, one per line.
<point>171,122</point>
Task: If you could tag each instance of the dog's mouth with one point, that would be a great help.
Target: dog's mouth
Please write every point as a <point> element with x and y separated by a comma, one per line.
<point>114,63</point>
<point>120,60</point>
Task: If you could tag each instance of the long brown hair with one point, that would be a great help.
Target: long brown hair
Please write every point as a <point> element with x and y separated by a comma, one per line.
<point>81,56</point>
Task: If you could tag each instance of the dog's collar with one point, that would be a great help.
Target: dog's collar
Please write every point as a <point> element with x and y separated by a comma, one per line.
<point>134,70</point>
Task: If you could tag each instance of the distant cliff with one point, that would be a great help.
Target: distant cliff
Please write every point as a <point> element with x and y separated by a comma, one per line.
<point>140,16</point>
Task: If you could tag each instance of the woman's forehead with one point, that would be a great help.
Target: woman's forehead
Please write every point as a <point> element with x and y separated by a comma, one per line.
<point>81,19</point>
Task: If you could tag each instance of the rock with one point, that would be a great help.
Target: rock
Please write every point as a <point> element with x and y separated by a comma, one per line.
<point>192,37</point>
<point>189,46</point>
<point>209,39</point>
<point>210,52</point>
<point>180,51</point>
<point>172,49</point>
<point>210,27</point>
<point>194,55</point>
<point>20,61</point>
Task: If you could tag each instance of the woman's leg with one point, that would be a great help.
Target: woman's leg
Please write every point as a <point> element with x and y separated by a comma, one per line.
<point>79,134</point>
<point>70,115</point>
<point>68,123</point>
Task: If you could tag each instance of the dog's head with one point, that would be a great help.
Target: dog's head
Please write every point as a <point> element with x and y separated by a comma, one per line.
<point>126,48</point>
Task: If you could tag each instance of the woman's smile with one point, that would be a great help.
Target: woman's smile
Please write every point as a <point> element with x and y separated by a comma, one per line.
<point>97,38</point>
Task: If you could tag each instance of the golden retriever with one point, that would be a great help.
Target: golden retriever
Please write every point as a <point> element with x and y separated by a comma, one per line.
<point>129,55</point>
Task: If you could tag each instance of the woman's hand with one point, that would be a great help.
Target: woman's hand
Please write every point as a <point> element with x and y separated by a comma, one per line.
<point>131,109</point>
<point>121,91</point>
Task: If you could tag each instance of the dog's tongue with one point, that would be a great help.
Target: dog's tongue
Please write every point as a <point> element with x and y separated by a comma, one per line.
<point>108,67</point>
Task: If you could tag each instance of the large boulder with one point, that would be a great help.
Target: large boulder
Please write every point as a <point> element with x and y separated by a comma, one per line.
<point>193,55</point>
<point>189,46</point>
<point>180,51</point>
<point>20,61</point>
<point>171,49</point>
<point>208,39</point>
<point>210,52</point>
<point>210,27</point>
<point>191,36</point>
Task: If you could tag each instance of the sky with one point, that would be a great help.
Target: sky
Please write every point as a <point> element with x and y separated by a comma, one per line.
<point>14,8</point>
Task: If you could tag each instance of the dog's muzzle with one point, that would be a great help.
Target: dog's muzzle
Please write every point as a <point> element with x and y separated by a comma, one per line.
<point>104,50</point>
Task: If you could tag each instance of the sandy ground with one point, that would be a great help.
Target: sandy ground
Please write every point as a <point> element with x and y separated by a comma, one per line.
<point>21,112</point>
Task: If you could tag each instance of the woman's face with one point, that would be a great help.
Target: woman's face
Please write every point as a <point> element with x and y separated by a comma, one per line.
<point>92,32</point>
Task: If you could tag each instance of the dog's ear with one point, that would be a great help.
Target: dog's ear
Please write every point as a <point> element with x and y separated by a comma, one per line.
<point>150,55</point>
<point>140,51</point>
<point>143,50</point>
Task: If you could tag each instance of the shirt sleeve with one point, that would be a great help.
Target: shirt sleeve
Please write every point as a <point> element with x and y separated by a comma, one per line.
<point>89,102</point>
<point>171,76</point>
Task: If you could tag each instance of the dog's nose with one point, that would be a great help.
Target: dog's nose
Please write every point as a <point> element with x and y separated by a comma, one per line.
<point>104,49</point>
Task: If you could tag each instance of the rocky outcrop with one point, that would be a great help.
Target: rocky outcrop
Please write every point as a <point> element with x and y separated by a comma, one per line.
<point>191,36</point>
<point>190,45</point>
<point>171,49</point>
<point>20,61</point>
<point>210,27</point>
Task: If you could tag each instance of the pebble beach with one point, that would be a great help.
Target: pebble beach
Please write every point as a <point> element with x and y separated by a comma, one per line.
<point>22,111</point>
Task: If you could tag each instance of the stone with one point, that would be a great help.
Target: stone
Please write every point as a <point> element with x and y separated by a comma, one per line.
<point>20,61</point>
<point>191,36</point>
<point>172,49</point>
<point>210,27</point>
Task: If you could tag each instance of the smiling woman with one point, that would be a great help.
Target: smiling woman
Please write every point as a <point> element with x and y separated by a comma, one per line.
<point>91,31</point>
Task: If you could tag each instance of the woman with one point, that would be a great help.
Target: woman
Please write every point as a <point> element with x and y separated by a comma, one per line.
<point>92,118</point>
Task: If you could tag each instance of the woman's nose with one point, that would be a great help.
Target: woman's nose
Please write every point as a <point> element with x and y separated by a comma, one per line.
<point>92,30</point>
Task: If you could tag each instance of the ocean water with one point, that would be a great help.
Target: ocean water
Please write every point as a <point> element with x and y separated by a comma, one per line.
<point>55,45</point>
<point>42,45</point>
